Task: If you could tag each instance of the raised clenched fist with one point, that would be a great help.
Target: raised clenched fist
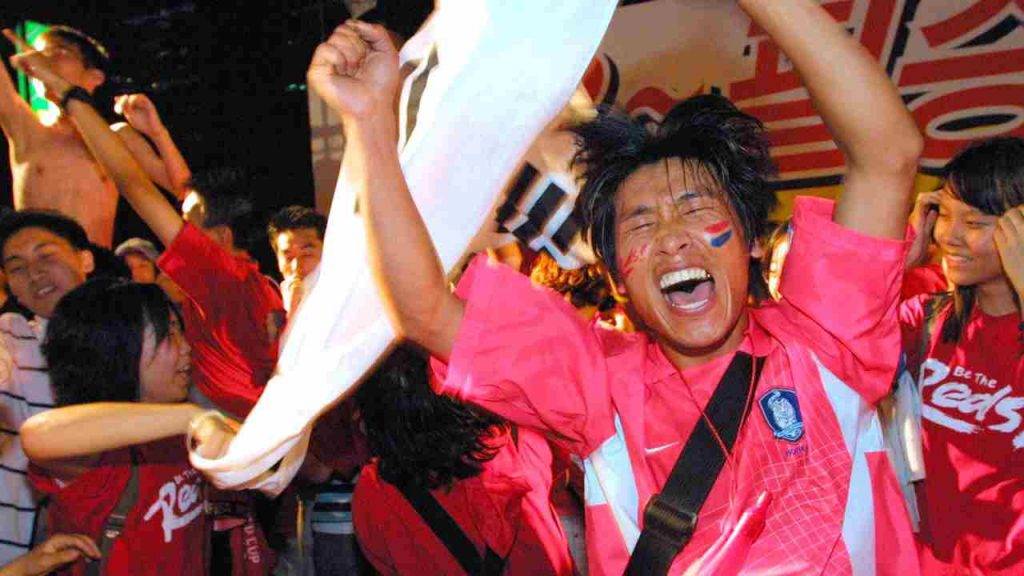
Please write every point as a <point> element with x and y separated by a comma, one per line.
<point>355,71</point>
<point>139,111</point>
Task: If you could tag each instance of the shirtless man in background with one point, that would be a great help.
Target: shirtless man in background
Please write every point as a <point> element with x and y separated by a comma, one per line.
<point>51,167</point>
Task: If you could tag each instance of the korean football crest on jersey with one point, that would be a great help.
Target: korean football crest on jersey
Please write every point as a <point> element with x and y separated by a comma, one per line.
<point>782,412</point>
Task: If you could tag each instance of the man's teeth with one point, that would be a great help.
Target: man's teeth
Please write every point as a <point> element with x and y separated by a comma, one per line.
<point>683,275</point>
<point>44,291</point>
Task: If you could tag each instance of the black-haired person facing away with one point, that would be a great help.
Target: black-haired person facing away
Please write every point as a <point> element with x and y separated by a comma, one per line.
<point>121,369</point>
<point>492,480</point>
<point>802,483</point>
<point>44,256</point>
<point>966,348</point>
<point>51,166</point>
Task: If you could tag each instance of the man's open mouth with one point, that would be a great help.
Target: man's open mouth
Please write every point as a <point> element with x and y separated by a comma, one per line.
<point>688,289</point>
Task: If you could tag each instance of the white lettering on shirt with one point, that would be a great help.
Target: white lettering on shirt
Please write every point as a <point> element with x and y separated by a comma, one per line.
<point>943,387</point>
<point>180,502</point>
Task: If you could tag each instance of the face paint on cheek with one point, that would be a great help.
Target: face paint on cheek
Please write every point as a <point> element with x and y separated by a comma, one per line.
<point>718,234</point>
<point>634,256</point>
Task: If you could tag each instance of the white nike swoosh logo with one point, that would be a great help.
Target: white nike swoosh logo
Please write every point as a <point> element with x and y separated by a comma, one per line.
<point>657,449</point>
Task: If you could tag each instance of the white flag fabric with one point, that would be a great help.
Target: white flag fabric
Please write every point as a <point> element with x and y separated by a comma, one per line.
<point>539,208</point>
<point>489,75</point>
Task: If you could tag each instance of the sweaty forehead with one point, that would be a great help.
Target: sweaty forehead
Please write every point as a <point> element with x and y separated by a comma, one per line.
<point>29,239</point>
<point>296,237</point>
<point>669,180</point>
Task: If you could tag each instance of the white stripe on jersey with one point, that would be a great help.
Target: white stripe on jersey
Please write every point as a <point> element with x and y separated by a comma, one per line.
<point>610,480</point>
<point>862,433</point>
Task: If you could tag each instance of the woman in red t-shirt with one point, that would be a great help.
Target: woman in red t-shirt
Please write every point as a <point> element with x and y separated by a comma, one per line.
<point>120,371</point>
<point>493,482</point>
<point>971,372</point>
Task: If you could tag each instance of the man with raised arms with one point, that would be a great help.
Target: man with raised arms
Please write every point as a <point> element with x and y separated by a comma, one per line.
<point>804,485</point>
<point>51,166</point>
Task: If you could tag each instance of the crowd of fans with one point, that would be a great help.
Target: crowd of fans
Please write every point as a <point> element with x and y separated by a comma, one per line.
<point>514,416</point>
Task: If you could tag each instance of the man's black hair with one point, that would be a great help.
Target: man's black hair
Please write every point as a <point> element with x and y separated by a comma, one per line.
<point>94,339</point>
<point>226,195</point>
<point>94,54</point>
<point>13,222</point>
<point>421,437</point>
<point>706,133</point>
<point>295,218</point>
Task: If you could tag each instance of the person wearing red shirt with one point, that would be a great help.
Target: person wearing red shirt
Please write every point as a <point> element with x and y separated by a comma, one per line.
<point>234,314</point>
<point>971,376</point>
<point>493,480</point>
<point>675,217</point>
<point>121,379</point>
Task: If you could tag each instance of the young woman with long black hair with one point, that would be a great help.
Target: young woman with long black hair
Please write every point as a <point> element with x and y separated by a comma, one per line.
<point>965,347</point>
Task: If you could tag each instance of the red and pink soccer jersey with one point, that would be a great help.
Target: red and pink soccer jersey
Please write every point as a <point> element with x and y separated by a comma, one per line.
<point>972,391</point>
<point>165,533</point>
<point>507,508</point>
<point>812,442</point>
<point>233,319</point>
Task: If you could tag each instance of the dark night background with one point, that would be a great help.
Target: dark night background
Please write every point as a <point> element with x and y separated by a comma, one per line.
<point>227,76</point>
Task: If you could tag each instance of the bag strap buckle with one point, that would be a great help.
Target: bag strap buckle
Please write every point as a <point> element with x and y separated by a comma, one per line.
<point>667,521</point>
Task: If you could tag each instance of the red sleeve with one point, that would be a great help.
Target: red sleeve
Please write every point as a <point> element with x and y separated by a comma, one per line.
<point>523,353</point>
<point>200,267</point>
<point>239,308</point>
<point>842,288</point>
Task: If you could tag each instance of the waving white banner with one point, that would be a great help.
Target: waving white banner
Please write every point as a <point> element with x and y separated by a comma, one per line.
<point>489,76</point>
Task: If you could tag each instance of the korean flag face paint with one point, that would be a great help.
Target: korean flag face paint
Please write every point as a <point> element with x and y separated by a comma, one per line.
<point>635,255</point>
<point>718,234</point>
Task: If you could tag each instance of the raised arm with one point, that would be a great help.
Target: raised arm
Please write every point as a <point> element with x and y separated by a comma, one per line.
<point>16,118</point>
<point>859,105</point>
<point>356,73</point>
<point>108,150</point>
<point>165,166</point>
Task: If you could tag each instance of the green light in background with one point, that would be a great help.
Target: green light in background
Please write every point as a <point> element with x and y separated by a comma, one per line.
<point>32,90</point>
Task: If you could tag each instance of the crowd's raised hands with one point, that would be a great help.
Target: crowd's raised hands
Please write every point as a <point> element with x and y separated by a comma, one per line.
<point>139,111</point>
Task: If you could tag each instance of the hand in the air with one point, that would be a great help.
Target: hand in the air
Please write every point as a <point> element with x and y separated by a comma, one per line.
<point>922,220</point>
<point>1009,237</point>
<point>355,71</point>
<point>37,65</point>
<point>139,111</point>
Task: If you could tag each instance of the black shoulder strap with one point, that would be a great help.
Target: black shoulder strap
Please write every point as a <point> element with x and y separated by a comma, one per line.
<point>671,516</point>
<point>450,534</point>
<point>114,525</point>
